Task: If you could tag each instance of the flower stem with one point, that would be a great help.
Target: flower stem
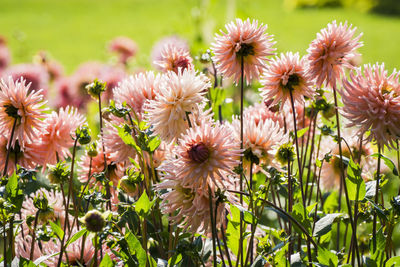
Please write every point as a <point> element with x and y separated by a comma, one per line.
<point>376,198</point>
<point>9,147</point>
<point>33,236</point>
<point>212,226</point>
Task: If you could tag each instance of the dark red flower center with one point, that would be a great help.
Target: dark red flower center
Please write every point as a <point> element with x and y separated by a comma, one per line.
<point>198,152</point>
<point>245,50</point>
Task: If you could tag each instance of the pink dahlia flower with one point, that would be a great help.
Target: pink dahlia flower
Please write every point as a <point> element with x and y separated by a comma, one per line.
<point>57,132</point>
<point>331,51</point>
<point>285,74</point>
<point>261,112</point>
<point>5,57</point>
<point>243,40</point>
<point>174,58</point>
<point>206,155</point>
<point>371,101</point>
<point>19,105</point>
<point>136,90</point>
<point>33,74</point>
<point>179,94</point>
<point>124,47</point>
<point>156,52</point>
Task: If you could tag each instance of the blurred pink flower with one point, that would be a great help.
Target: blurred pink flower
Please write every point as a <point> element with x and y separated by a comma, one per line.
<point>175,41</point>
<point>124,47</point>
<point>247,40</point>
<point>5,57</point>
<point>371,101</point>
<point>178,94</point>
<point>57,132</point>
<point>112,76</point>
<point>19,105</point>
<point>331,51</point>
<point>136,90</point>
<point>285,74</point>
<point>34,74</point>
<point>174,58</point>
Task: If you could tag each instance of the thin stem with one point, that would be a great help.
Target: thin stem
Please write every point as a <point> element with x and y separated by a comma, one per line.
<point>33,235</point>
<point>96,249</point>
<point>5,241</point>
<point>241,156</point>
<point>290,193</point>
<point>376,197</point>
<point>212,226</point>
<point>226,246</point>
<point>188,119</point>
<point>9,147</point>
<point>216,235</point>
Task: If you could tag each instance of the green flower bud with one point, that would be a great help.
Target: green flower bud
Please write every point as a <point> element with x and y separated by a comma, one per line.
<point>94,221</point>
<point>96,88</point>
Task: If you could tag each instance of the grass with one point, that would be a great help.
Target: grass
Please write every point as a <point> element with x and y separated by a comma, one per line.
<point>73,31</point>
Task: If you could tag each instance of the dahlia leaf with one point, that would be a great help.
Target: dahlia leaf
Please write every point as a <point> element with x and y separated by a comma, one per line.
<point>57,230</point>
<point>136,248</point>
<point>76,236</point>
<point>106,262</point>
<point>388,162</point>
<point>355,183</point>
<point>143,205</point>
<point>327,258</point>
<point>324,225</point>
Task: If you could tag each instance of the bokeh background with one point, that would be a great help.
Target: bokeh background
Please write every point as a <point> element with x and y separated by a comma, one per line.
<point>74,31</point>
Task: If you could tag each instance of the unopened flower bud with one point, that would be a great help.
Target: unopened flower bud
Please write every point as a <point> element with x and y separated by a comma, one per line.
<point>94,221</point>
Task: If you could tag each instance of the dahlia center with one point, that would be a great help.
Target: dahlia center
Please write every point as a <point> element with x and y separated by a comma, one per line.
<point>245,50</point>
<point>198,152</point>
<point>293,80</point>
<point>11,111</point>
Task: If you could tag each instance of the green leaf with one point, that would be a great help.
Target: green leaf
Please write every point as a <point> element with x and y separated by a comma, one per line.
<point>57,230</point>
<point>136,248</point>
<point>26,263</point>
<point>12,186</point>
<point>143,205</point>
<point>392,262</point>
<point>154,142</point>
<point>324,225</point>
<point>327,257</point>
<point>301,132</point>
<point>175,259</point>
<point>76,236</point>
<point>331,203</point>
<point>355,183</point>
<point>299,214</point>
<point>388,162</point>
<point>127,137</point>
<point>379,254</point>
<point>106,262</point>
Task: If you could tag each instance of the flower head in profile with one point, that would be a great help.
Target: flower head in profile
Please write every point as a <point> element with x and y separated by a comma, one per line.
<point>331,51</point>
<point>371,99</point>
<point>206,154</point>
<point>174,58</point>
<point>56,136</point>
<point>180,93</point>
<point>21,109</point>
<point>136,90</point>
<point>287,74</point>
<point>244,40</point>
<point>124,47</point>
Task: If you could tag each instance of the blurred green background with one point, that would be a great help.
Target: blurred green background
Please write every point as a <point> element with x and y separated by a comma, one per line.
<point>73,31</point>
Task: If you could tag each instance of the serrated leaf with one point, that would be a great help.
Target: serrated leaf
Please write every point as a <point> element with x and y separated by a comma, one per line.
<point>324,225</point>
<point>388,162</point>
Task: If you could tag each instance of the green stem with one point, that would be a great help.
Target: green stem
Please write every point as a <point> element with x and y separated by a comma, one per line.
<point>9,148</point>
<point>376,198</point>
<point>212,226</point>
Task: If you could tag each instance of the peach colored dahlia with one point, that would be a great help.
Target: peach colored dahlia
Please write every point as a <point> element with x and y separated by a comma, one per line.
<point>332,50</point>
<point>156,52</point>
<point>57,132</point>
<point>174,58</point>
<point>206,155</point>
<point>243,39</point>
<point>24,107</point>
<point>179,93</point>
<point>371,101</point>
<point>285,74</point>
<point>136,90</point>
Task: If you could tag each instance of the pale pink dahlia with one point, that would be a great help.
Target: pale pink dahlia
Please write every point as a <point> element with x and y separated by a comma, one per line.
<point>331,51</point>
<point>243,40</point>
<point>157,49</point>
<point>19,105</point>
<point>259,139</point>
<point>179,94</point>
<point>112,76</point>
<point>174,58</point>
<point>56,135</point>
<point>136,90</point>
<point>34,74</point>
<point>124,47</point>
<point>206,155</point>
<point>285,74</point>
<point>371,101</point>
<point>261,112</point>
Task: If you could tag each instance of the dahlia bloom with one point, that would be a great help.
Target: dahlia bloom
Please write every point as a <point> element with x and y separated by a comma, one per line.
<point>259,139</point>
<point>24,107</point>
<point>285,74</point>
<point>56,136</point>
<point>156,52</point>
<point>5,57</point>
<point>120,151</point>
<point>124,47</point>
<point>247,40</point>
<point>136,90</point>
<point>174,58</point>
<point>261,111</point>
<point>372,102</point>
<point>180,93</point>
<point>191,205</point>
<point>332,50</point>
<point>205,155</point>
<point>65,94</point>
<point>112,76</point>
<point>35,75</point>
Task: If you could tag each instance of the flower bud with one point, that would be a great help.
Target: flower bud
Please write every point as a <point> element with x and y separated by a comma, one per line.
<point>94,221</point>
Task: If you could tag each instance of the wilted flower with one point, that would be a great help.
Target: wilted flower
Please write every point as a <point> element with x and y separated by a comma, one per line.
<point>245,41</point>
<point>331,51</point>
<point>21,108</point>
<point>372,102</point>
<point>286,74</point>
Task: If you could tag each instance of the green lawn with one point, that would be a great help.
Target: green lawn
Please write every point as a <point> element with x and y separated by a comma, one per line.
<point>74,31</point>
